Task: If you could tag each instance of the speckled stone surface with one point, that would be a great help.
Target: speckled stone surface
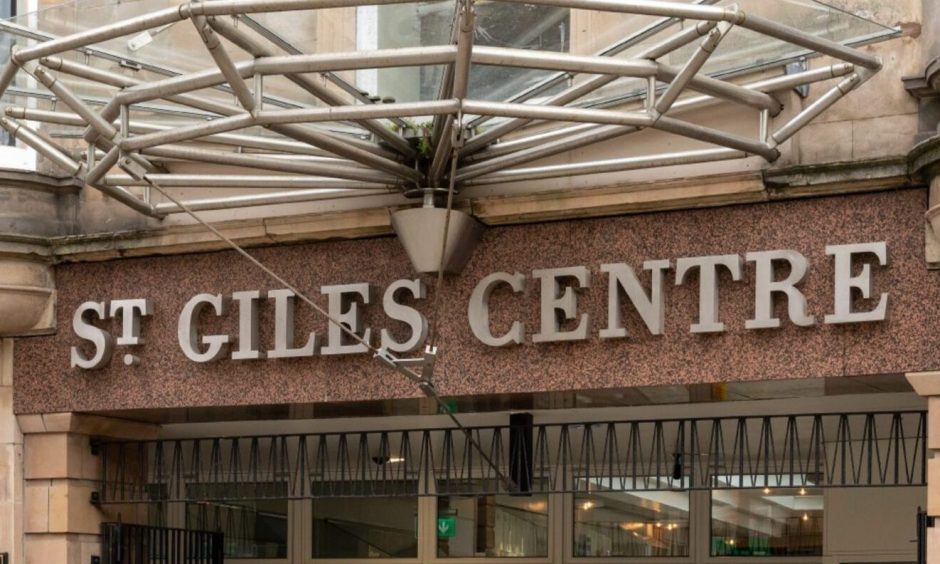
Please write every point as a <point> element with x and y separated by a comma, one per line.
<point>908,341</point>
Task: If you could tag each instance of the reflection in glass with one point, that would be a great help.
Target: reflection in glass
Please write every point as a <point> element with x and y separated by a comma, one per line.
<point>252,528</point>
<point>378,527</point>
<point>522,26</point>
<point>495,526</point>
<point>768,522</point>
<point>631,524</point>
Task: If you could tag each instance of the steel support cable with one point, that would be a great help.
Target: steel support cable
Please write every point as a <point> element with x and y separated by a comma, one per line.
<point>457,137</point>
<point>423,385</point>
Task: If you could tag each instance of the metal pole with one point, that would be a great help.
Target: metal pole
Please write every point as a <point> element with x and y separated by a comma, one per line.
<point>236,36</point>
<point>260,162</point>
<point>568,143</point>
<point>218,53</point>
<point>106,163</point>
<point>91,117</point>
<point>613,49</point>
<point>691,68</point>
<point>722,89</point>
<point>41,145</point>
<point>291,64</point>
<point>271,198</point>
<point>466,19</point>
<point>245,181</point>
<point>306,115</point>
<point>245,141</point>
<point>122,81</point>
<point>577,91</point>
<point>555,113</point>
<point>639,7</point>
<point>552,60</point>
<point>819,106</point>
<point>519,143</point>
<point>769,85</point>
<point>611,165</point>
<point>717,137</point>
<point>729,14</point>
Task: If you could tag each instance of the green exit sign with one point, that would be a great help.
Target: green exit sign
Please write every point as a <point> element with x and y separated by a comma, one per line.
<point>446,527</point>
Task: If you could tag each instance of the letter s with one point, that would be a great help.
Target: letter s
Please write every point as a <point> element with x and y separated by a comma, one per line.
<point>102,340</point>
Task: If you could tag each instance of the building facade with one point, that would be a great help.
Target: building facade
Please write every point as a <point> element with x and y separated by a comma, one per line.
<point>731,358</point>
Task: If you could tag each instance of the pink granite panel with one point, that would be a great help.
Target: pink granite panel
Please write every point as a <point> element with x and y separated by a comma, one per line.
<point>907,341</point>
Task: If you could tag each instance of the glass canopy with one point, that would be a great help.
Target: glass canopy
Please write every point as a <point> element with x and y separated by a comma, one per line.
<point>327,98</point>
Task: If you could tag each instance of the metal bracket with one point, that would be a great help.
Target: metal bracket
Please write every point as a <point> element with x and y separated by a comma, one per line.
<point>132,167</point>
<point>425,362</point>
<point>795,67</point>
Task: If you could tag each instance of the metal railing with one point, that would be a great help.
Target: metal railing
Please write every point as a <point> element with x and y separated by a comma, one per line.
<point>138,544</point>
<point>818,450</point>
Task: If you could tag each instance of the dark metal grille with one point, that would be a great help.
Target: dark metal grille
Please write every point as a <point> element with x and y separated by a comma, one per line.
<point>137,544</point>
<point>818,450</point>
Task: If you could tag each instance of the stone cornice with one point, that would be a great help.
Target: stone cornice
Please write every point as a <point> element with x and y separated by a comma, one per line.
<point>683,193</point>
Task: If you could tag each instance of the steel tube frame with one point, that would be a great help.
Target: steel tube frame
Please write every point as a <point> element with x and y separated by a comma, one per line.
<point>267,199</point>
<point>43,146</point>
<point>556,113</point>
<point>242,40</point>
<point>552,60</point>
<point>290,49</point>
<point>519,143</point>
<point>604,166</point>
<point>613,49</point>
<point>260,162</point>
<point>577,91</point>
<point>244,141</point>
<point>715,136</point>
<point>587,137</point>
<point>217,51</point>
<point>349,144</point>
<point>291,64</point>
<point>835,94</point>
<point>460,80</point>
<point>688,72</point>
<point>748,21</point>
<point>244,181</point>
<point>273,117</point>
<point>768,85</point>
<point>726,90</point>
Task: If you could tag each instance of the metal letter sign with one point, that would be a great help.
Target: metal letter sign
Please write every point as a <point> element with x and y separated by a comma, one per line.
<point>560,318</point>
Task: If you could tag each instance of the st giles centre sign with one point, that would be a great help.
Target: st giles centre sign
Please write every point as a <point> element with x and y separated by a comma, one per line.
<point>559,320</point>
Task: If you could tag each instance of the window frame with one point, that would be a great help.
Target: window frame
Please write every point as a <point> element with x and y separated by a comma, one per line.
<point>304,528</point>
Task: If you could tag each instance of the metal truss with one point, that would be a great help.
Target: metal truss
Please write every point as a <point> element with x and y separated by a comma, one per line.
<point>344,145</point>
<point>792,451</point>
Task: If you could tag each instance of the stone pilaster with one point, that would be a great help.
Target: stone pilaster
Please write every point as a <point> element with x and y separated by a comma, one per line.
<point>60,522</point>
<point>927,384</point>
<point>11,462</point>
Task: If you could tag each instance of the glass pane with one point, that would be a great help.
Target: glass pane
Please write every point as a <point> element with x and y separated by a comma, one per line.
<point>631,524</point>
<point>380,527</point>
<point>252,528</point>
<point>768,522</point>
<point>497,24</point>
<point>495,526</point>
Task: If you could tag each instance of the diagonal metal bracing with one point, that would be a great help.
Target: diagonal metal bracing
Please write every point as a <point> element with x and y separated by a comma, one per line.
<point>592,84</point>
<point>617,47</point>
<point>802,450</point>
<point>256,49</point>
<point>687,104</point>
